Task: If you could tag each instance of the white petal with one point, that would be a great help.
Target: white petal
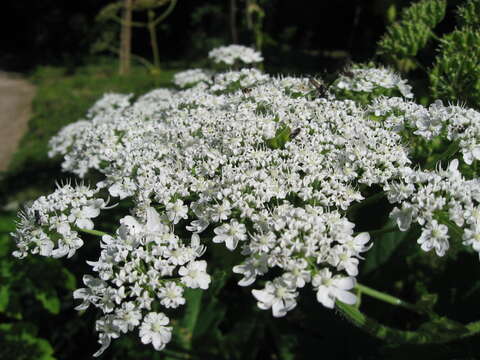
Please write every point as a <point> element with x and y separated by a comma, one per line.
<point>324,298</point>
<point>345,283</point>
<point>263,296</point>
<point>84,224</point>
<point>278,309</point>
<point>362,238</point>
<point>90,211</point>
<point>345,296</point>
<point>154,222</point>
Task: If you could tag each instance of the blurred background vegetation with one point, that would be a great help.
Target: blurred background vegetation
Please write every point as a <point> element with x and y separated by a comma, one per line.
<point>70,51</point>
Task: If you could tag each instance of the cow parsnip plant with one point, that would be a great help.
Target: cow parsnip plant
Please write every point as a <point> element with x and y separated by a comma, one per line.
<point>272,168</point>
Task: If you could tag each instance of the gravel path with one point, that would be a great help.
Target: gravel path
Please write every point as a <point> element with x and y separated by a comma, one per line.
<point>16,97</point>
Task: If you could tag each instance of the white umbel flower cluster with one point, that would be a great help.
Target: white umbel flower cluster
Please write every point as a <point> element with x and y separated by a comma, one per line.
<point>216,145</point>
<point>49,226</point>
<point>145,262</point>
<point>232,54</point>
<point>290,239</point>
<point>453,122</point>
<point>270,169</point>
<point>370,79</point>
<point>432,197</point>
<point>244,78</point>
<point>191,77</point>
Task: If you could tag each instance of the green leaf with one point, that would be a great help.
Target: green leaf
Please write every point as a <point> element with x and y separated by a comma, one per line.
<point>5,242</point>
<point>49,300</point>
<point>70,280</point>
<point>19,341</point>
<point>7,223</point>
<point>282,136</point>
<point>467,14</point>
<point>4,297</point>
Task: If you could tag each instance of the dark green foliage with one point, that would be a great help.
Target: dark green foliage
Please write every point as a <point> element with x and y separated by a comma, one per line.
<point>469,14</point>
<point>455,74</point>
<point>428,12</point>
<point>452,71</point>
<point>19,341</point>
<point>29,289</point>
<point>407,37</point>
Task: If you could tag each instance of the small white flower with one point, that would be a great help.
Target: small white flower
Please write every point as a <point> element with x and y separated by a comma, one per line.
<point>127,317</point>
<point>329,288</point>
<point>230,234</point>
<point>434,236</point>
<point>108,331</point>
<point>279,295</point>
<point>194,275</point>
<point>470,153</point>
<point>252,267</point>
<point>171,295</point>
<point>343,259</point>
<point>154,331</point>
<point>176,211</point>
<point>402,217</point>
<point>298,273</point>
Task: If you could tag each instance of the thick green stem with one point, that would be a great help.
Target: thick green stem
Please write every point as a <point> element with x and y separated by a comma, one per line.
<point>397,336</point>
<point>92,232</point>
<point>386,298</point>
